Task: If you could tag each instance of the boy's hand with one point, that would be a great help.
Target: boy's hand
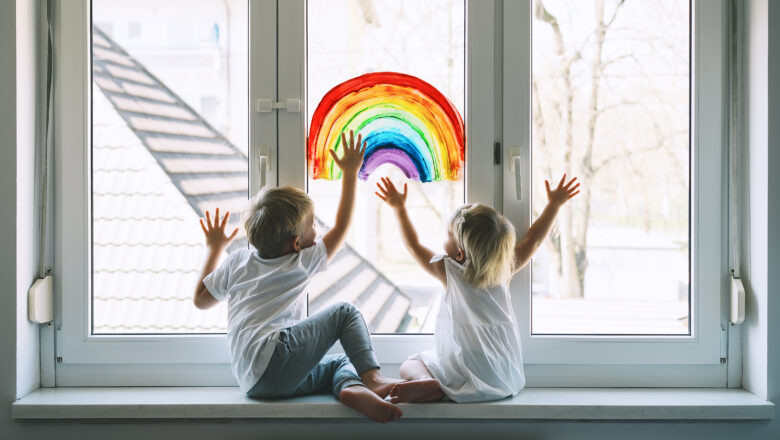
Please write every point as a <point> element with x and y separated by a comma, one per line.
<point>562,193</point>
<point>215,232</point>
<point>350,162</point>
<point>352,157</point>
<point>390,195</point>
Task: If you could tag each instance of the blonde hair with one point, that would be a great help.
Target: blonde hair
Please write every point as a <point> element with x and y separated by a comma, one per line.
<point>488,239</point>
<point>274,217</point>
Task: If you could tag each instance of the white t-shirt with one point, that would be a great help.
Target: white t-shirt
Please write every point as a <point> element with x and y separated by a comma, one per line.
<point>477,355</point>
<point>264,296</point>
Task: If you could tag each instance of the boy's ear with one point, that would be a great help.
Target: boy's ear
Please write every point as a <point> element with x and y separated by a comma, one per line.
<point>461,257</point>
<point>295,243</point>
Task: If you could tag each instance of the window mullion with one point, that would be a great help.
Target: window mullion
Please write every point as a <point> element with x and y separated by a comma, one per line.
<point>480,102</point>
<point>516,145</point>
<point>291,84</point>
<point>263,134</point>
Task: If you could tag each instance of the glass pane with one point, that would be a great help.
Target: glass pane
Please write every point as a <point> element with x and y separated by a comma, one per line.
<point>348,38</point>
<point>169,126</point>
<point>611,85</point>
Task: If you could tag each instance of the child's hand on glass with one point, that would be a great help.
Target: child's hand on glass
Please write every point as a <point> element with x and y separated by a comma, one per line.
<point>215,232</point>
<point>390,194</point>
<point>562,193</point>
<point>352,157</point>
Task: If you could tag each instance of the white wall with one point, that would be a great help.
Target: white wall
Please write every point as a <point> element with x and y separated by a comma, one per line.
<point>27,79</point>
<point>773,251</point>
<point>8,202</point>
<point>761,199</point>
<point>755,196</point>
<point>16,180</point>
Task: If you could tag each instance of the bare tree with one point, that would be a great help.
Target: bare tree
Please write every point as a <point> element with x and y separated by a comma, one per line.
<point>571,244</point>
<point>569,107</point>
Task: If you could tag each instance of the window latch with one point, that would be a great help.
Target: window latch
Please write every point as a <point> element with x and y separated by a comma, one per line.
<point>516,166</point>
<point>291,105</point>
<point>264,159</point>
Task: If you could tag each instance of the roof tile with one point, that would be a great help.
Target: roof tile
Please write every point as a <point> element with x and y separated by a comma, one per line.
<point>172,145</point>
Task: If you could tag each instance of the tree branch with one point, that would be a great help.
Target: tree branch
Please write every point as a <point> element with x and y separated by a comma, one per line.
<point>612,61</point>
<point>603,110</point>
<point>628,154</point>
<point>615,13</point>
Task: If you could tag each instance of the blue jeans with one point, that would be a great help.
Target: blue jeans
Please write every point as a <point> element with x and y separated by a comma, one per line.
<point>298,367</point>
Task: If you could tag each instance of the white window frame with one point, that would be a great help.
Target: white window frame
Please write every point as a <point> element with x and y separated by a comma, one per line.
<point>693,360</point>
<point>480,138</point>
<point>85,359</point>
<point>494,29</point>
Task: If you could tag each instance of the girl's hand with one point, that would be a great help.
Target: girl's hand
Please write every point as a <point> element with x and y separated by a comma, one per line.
<point>215,232</point>
<point>562,193</point>
<point>352,157</point>
<point>389,194</point>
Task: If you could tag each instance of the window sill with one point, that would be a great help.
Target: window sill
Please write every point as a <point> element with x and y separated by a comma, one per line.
<point>532,403</point>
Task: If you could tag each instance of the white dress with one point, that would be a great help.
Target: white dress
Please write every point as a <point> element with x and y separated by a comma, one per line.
<point>477,355</point>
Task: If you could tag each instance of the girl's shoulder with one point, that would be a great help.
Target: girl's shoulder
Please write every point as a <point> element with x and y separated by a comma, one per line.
<point>451,266</point>
<point>454,270</point>
<point>447,260</point>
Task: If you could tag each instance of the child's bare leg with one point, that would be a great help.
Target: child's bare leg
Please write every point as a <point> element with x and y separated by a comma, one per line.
<point>344,322</point>
<point>370,404</point>
<point>420,385</point>
<point>378,383</point>
<point>413,369</point>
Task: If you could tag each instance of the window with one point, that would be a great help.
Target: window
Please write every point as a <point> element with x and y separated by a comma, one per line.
<point>610,103</point>
<point>162,153</point>
<point>191,111</point>
<point>423,39</point>
<point>696,356</point>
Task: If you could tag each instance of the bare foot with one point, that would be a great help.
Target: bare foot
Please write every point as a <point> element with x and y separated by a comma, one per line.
<point>422,390</point>
<point>379,384</point>
<point>368,403</point>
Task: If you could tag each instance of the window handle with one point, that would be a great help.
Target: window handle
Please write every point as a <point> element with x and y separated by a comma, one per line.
<point>516,166</point>
<point>737,315</point>
<point>264,157</point>
<point>291,105</point>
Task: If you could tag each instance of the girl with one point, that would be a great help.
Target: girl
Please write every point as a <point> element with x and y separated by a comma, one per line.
<point>477,355</point>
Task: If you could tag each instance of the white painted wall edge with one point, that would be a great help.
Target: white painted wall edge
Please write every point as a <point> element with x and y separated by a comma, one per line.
<point>755,199</point>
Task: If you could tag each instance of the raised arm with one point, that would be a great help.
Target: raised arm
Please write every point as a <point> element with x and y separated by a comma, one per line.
<point>217,242</point>
<point>349,163</point>
<point>526,248</point>
<point>421,254</point>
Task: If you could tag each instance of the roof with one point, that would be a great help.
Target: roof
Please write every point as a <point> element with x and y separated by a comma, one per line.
<point>157,167</point>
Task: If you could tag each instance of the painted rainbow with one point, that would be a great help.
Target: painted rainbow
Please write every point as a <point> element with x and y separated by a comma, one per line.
<point>404,120</point>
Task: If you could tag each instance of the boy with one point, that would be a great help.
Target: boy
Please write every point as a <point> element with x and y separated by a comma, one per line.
<point>275,352</point>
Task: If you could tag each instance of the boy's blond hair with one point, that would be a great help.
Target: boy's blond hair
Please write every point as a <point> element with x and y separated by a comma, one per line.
<point>488,239</point>
<point>274,217</point>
